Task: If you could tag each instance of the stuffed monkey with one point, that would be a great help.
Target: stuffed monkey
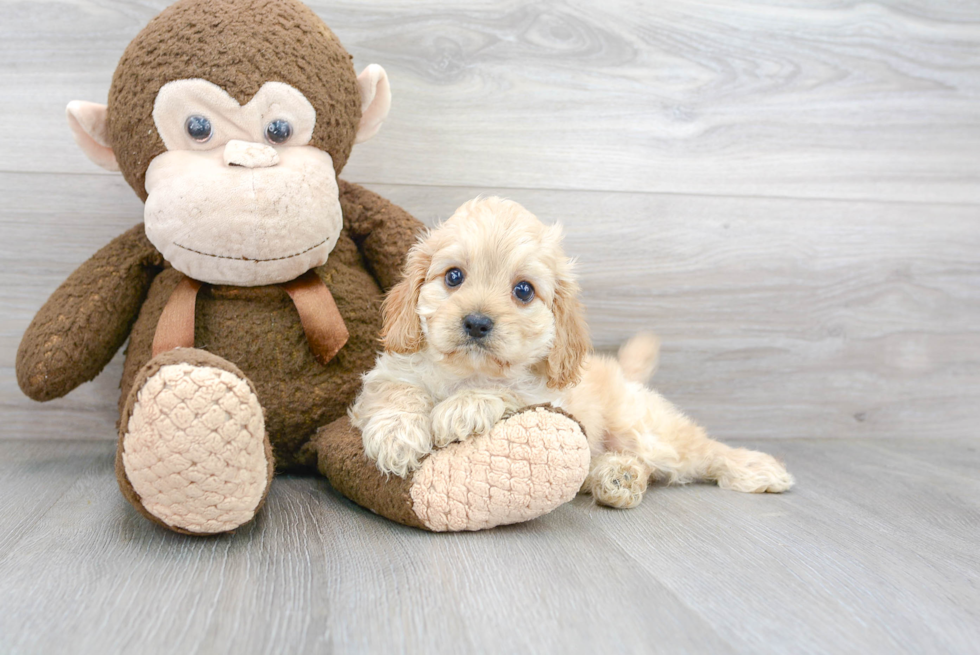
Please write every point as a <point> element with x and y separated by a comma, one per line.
<point>251,292</point>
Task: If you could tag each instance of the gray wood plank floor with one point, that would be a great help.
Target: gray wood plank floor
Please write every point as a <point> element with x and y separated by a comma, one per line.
<point>788,193</point>
<point>823,99</point>
<point>875,551</point>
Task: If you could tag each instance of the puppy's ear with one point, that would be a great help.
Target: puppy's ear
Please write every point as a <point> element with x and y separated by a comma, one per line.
<point>571,337</point>
<point>401,330</point>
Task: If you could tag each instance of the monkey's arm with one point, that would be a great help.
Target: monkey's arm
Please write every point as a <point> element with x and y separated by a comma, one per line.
<point>382,230</point>
<point>87,318</point>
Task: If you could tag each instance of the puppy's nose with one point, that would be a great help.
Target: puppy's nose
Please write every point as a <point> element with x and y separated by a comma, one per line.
<point>478,326</point>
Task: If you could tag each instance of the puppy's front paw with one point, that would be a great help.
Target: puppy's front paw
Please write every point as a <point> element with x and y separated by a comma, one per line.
<point>466,414</point>
<point>397,442</point>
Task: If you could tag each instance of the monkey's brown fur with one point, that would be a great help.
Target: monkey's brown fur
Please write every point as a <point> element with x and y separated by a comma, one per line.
<point>122,289</point>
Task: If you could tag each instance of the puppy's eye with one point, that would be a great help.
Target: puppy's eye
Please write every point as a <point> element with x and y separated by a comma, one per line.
<point>278,131</point>
<point>524,291</point>
<point>454,277</point>
<point>198,128</point>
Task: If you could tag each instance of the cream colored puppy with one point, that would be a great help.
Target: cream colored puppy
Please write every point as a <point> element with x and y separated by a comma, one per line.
<point>486,321</point>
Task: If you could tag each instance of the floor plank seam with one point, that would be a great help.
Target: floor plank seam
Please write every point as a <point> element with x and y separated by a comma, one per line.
<point>678,194</point>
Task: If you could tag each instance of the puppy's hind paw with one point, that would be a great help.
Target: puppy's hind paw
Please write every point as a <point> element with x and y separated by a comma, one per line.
<point>750,471</point>
<point>617,480</point>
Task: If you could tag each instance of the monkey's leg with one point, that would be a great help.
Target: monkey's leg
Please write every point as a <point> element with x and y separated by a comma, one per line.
<point>193,454</point>
<point>526,466</point>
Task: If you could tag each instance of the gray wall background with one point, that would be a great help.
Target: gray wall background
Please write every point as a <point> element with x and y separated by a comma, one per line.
<point>787,192</point>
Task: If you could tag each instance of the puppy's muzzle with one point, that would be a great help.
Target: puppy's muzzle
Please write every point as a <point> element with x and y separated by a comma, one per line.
<point>478,326</point>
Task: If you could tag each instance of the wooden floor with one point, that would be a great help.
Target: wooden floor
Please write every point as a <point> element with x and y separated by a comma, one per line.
<point>876,551</point>
<point>787,192</point>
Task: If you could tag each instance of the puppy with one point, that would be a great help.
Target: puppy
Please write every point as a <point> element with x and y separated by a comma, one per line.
<point>486,321</point>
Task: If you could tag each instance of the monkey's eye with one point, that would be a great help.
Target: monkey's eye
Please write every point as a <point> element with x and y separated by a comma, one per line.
<point>199,128</point>
<point>454,277</point>
<point>278,131</point>
<point>524,291</point>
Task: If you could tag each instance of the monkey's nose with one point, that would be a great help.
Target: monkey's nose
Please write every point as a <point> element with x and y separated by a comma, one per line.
<point>478,326</point>
<point>250,154</point>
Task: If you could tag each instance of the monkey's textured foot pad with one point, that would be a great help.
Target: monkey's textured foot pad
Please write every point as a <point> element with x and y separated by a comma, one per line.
<point>193,449</point>
<point>526,466</point>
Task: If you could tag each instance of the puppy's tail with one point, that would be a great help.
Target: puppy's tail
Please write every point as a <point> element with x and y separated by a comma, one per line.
<point>639,357</point>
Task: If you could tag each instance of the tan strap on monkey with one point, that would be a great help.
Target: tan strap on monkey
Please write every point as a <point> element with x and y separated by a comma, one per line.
<point>175,329</point>
<point>322,323</point>
<point>324,327</point>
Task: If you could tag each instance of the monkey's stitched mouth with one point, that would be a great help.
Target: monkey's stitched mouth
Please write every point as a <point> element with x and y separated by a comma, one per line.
<point>242,258</point>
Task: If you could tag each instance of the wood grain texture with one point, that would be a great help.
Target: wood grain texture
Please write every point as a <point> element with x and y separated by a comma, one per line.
<point>780,317</point>
<point>824,99</point>
<point>35,476</point>
<point>873,552</point>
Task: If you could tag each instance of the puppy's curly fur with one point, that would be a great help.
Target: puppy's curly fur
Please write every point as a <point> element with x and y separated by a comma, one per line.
<point>463,350</point>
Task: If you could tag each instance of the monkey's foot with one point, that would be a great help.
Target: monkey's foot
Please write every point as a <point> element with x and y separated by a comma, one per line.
<point>526,466</point>
<point>193,454</point>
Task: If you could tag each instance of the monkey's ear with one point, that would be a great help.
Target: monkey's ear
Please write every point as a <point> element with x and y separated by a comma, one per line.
<point>87,121</point>
<point>375,101</point>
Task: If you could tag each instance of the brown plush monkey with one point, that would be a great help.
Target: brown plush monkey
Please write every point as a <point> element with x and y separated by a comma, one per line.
<point>251,292</point>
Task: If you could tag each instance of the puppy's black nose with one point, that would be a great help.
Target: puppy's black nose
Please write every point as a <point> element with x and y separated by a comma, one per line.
<point>478,326</point>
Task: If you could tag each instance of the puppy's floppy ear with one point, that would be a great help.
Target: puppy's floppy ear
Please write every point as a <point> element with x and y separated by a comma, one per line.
<point>401,331</point>
<point>571,337</point>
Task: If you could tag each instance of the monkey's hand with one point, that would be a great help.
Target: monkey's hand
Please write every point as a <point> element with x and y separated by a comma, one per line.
<point>470,412</point>
<point>87,318</point>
